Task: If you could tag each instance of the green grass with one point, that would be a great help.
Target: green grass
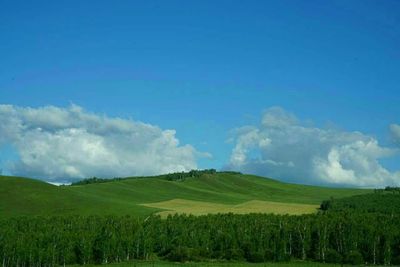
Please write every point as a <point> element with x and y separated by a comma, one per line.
<point>218,264</point>
<point>184,206</point>
<point>22,196</point>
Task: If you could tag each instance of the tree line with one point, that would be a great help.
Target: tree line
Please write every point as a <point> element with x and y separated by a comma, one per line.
<point>176,176</point>
<point>339,237</point>
<point>392,189</point>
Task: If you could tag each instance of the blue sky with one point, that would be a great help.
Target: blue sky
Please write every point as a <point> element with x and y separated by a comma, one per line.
<point>205,68</point>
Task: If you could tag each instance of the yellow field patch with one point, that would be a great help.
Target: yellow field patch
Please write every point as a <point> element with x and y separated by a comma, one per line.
<point>254,206</point>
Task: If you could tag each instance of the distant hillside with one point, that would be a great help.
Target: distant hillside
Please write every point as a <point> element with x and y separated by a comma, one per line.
<point>381,201</point>
<point>176,176</point>
<point>146,195</point>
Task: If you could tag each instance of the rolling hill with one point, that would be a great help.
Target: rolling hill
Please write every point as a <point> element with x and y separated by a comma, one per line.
<point>208,193</point>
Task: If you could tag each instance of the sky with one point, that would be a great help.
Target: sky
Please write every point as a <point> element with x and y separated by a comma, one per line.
<point>301,91</point>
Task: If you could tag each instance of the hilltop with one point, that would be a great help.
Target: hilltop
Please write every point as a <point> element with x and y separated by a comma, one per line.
<point>141,196</point>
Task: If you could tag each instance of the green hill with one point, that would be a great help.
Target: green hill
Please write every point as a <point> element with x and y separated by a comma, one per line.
<point>379,201</point>
<point>207,193</point>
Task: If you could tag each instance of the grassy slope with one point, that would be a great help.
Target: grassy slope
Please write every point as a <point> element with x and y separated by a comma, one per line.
<point>254,206</point>
<point>21,196</point>
<point>382,202</point>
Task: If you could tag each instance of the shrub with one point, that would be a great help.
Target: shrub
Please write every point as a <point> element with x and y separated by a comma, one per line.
<point>255,256</point>
<point>332,256</point>
<point>354,257</point>
<point>180,254</point>
<point>396,260</point>
<point>234,254</point>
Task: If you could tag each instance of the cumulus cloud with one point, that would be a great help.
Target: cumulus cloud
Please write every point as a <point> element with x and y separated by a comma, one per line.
<point>284,147</point>
<point>65,143</point>
<point>395,130</point>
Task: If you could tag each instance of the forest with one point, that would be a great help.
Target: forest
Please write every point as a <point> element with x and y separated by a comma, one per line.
<point>336,237</point>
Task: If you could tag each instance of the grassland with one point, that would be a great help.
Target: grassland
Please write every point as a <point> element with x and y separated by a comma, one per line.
<point>143,196</point>
<point>181,206</point>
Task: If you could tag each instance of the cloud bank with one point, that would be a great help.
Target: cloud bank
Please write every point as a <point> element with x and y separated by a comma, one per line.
<point>65,143</point>
<point>284,147</point>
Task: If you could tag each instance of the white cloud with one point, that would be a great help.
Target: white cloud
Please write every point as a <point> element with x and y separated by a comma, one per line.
<point>395,130</point>
<point>63,143</point>
<point>283,147</point>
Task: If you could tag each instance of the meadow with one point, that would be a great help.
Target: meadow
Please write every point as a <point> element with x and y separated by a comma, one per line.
<point>183,206</point>
<point>205,216</point>
<point>220,192</point>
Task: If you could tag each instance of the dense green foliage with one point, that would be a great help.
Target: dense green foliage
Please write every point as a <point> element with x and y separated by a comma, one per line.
<point>326,237</point>
<point>158,263</point>
<point>382,201</point>
<point>22,196</point>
